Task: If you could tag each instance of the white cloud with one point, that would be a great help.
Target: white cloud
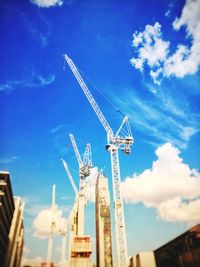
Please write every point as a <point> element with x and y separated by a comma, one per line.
<point>42,223</point>
<point>187,132</point>
<point>177,210</point>
<point>186,59</point>
<point>58,134</point>
<point>35,80</point>
<point>25,250</point>
<point>152,50</point>
<point>8,160</point>
<point>33,209</point>
<point>170,186</point>
<point>58,128</point>
<point>168,13</point>
<point>91,184</point>
<point>47,3</point>
<point>39,29</point>
<point>164,117</point>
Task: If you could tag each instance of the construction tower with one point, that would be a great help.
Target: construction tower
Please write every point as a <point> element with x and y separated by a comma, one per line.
<point>80,244</point>
<point>103,223</point>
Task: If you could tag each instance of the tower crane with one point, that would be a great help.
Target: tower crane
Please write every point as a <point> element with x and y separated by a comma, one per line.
<point>52,226</point>
<point>84,170</point>
<point>84,165</point>
<point>70,176</point>
<point>63,233</point>
<point>74,213</point>
<point>75,209</point>
<point>123,140</point>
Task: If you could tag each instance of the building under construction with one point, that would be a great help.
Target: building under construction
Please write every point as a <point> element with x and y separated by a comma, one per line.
<point>80,248</point>
<point>103,223</point>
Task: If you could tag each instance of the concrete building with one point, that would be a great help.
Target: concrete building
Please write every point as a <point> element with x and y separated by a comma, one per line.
<point>81,250</point>
<point>11,224</point>
<point>103,223</point>
<point>183,251</point>
<point>7,207</point>
<point>143,259</point>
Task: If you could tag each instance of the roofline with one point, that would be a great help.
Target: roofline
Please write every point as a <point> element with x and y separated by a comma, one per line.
<point>4,172</point>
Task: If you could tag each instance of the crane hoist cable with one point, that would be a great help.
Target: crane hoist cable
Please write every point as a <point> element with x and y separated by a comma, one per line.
<point>99,91</point>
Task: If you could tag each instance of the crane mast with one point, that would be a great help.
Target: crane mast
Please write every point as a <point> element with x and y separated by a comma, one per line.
<point>52,227</point>
<point>114,143</point>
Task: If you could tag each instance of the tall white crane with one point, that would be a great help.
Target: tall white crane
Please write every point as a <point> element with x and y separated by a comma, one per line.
<point>75,209</point>
<point>73,219</point>
<point>70,176</point>
<point>123,139</point>
<point>85,164</point>
<point>52,227</point>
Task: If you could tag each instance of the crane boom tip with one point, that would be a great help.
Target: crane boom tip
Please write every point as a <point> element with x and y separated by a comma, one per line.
<point>66,56</point>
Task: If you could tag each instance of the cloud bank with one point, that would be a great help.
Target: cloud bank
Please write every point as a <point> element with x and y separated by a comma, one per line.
<point>170,186</point>
<point>153,51</point>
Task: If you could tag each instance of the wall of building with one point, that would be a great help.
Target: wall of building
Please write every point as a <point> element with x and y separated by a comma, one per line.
<point>81,250</point>
<point>6,213</point>
<point>183,251</point>
<point>16,236</point>
<point>11,224</point>
<point>143,259</point>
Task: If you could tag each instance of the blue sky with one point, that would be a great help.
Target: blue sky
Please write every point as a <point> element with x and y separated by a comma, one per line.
<point>143,59</point>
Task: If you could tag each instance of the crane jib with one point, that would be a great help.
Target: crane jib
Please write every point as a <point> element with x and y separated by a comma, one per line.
<point>89,96</point>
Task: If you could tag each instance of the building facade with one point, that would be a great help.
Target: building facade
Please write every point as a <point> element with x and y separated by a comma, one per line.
<point>80,248</point>
<point>7,207</point>
<point>183,251</point>
<point>81,251</point>
<point>11,224</point>
<point>143,259</point>
<point>103,223</point>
